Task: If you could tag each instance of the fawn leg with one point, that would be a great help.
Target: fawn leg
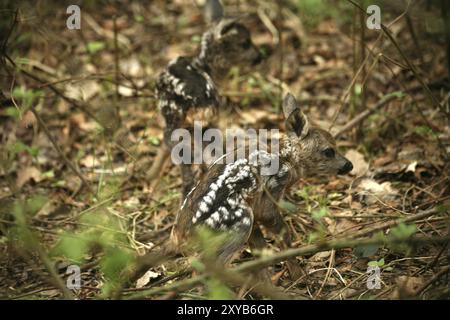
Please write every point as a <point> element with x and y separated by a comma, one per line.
<point>165,149</point>
<point>257,241</point>
<point>188,179</point>
<point>158,162</point>
<point>239,233</point>
<point>267,214</point>
<point>231,248</point>
<point>279,228</point>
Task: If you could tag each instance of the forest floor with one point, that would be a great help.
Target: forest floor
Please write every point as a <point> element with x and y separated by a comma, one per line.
<point>83,108</point>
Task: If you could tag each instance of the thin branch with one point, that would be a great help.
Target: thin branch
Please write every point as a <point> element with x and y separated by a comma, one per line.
<point>266,261</point>
<point>411,218</point>
<point>366,113</point>
<point>71,101</point>
<point>409,64</point>
<point>435,278</point>
<point>58,149</point>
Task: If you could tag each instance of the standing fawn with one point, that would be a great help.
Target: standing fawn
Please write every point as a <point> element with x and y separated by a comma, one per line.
<point>234,197</point>
<point>187,89</point>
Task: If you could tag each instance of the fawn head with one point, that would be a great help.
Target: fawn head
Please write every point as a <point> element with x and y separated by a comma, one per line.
<point>310,149</point>
<point>227,43</point>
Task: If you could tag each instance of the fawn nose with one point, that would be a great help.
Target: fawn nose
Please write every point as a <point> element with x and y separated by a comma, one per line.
<point>348,166</point>
<point>258,59</point>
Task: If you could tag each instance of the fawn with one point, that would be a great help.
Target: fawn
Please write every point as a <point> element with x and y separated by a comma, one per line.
<point>187,89</point>
<point>233,197</point>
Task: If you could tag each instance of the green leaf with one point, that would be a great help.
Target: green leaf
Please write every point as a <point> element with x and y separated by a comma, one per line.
<point>403,231</point>
<point>72,246</point>
<point>115,262</point>
<point>49,174</point>
<point>217,290</point>
<point>35,203</point>
<point>366,251</point>
<point>373,263</point>
<point>198,265</point>
<point>319,214</point>
<point>18,147</point>
<point>358,89</point>
<point>12,112</point>
<point>196,39</point>
<point>154,140</point>
<point>288,206</point>
<point>398,94</point>
<point>423,131</point>
<point>95,46</point>
<point>27,96</point>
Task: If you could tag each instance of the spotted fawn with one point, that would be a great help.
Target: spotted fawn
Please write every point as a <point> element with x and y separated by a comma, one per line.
<point>187,88</point>
<point>237,198</point>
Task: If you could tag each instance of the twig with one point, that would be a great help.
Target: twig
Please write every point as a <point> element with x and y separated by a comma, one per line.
<point>269,25</point>
<point>362,58</point>
<point>388,224</point>
<point>366,113</point>
<point>280,45</point>
<point>414,37</point>
<point>8,35</point>
<point>327,275</point>
<point>445,8</point>
<point>347,92</point>
<point>158,162</point>
<point>409,64</point>
<point>432,280</point>
<point>73,102</point>
<point>58,149</point>
<point>265,261</point>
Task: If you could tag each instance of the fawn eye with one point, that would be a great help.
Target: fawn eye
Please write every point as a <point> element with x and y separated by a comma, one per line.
<point>329,152</point>
<point>246,44</point>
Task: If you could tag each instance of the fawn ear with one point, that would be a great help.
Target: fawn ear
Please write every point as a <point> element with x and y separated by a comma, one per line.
<point>227,27</point>
<point>296,122</point>
<point>213,11</point>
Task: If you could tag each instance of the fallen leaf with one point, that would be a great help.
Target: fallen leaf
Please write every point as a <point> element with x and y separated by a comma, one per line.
<point>360,166</point>
<point>372,186</point>
<point>90,161</point>
<point>376,191</point>
<point>83,90</point>
<point>27,174</point>
<point>320,256</point>
<point>412,167</point>
<point>254,116</point>
<point>406,287</point>
<point>142,281</point>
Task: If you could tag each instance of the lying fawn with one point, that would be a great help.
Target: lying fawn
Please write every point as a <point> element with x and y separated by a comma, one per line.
<point>233,197</point>
<point>187,89</point>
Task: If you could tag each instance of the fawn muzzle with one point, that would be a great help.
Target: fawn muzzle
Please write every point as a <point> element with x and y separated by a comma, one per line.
<point>258,59</point>
<point>346,168</point>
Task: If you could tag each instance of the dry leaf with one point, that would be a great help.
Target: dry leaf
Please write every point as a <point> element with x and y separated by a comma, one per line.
<point>406,287</point>
<point>27,174</point>
<point>320,256</point>
<point>360,166</point>
<point>142,281</point>
<point>90,161</point>
<point>82,90</point>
